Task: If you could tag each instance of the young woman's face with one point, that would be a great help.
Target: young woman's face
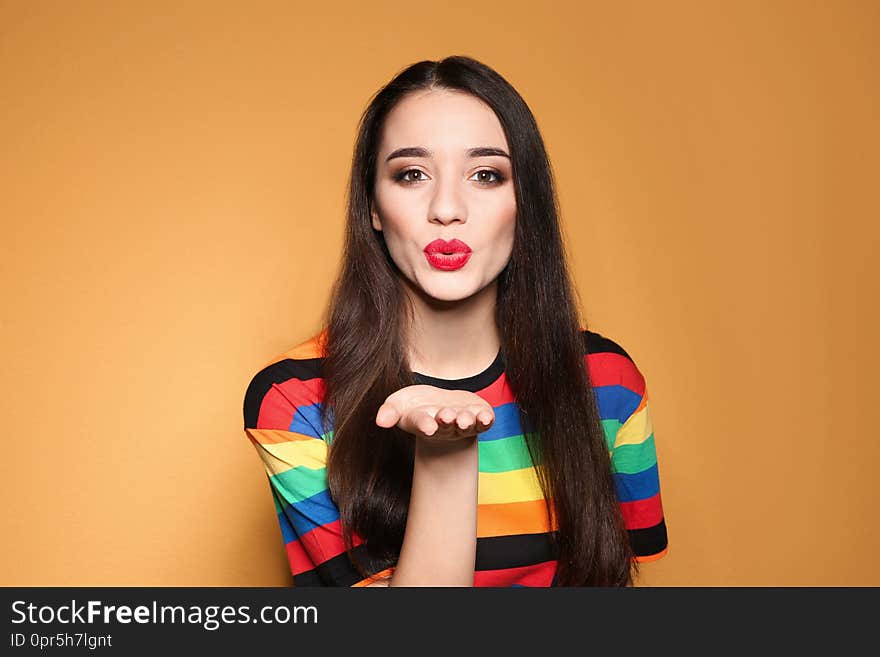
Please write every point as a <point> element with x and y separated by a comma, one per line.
<point>440,188</point>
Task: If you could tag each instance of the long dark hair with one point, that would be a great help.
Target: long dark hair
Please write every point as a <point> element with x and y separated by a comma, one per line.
<point>369,467</point>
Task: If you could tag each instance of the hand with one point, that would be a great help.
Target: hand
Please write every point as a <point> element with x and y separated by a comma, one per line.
<point>436,413</point>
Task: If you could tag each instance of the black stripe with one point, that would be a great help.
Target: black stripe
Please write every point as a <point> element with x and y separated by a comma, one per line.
<point>493,553</point>
<point>649,540</point>
<point>310,368</point>
<point>338,571</point>
<point>284,370</point>
<point>473,383</point>
<point>596,343</point>
<point>308,578</point>
<point>498,552</point>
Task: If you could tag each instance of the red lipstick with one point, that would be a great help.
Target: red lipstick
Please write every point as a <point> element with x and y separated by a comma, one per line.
<point>448,256</point>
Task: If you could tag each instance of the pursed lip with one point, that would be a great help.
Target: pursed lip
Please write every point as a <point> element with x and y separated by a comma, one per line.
<point>452,246</point>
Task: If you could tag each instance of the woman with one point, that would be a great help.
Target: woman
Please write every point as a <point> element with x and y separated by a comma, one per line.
<point>454,424</point>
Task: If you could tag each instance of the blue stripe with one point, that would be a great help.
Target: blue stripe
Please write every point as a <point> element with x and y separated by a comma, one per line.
<point>506,423</point>
<point>311,512</point>
<point>287,533</point>
<point>616,402</point>
<point>640,486</point>
<point>306,420</point>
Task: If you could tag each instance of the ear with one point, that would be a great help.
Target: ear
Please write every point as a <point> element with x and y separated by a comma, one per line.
<point>375,217</point>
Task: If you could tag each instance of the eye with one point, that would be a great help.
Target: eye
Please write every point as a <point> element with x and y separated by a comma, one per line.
<point>402,176</point>
<point>412,176</point>
<point>487,179</point>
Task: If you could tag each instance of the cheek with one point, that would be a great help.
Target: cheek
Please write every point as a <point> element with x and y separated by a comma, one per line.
<point>500,238</point>
<point>397,231</point>
<point>507,224</point>
<point>396,212</point>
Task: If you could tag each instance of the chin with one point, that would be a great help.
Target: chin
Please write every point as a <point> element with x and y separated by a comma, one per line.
<point>450,292</point>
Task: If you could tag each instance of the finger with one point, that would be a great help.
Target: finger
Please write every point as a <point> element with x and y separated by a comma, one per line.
<point>445,416</point>
<point>388,415</point>
<point>465,420</point>
<point>484,416</point>
<point>426,424</point>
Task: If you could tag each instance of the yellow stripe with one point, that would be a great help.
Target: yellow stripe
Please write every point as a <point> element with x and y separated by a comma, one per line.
<point>514,486</point>
<point>283,450</point>
<point>307,453</point>
<point>637,429</point>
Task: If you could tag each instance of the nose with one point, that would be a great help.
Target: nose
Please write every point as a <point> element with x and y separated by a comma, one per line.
<point>447,202</point>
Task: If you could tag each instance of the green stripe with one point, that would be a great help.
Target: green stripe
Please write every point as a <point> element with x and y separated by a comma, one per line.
<point>278,507</point>
<point>630,459</point>
<point>500,455</point>
<point>504,454</point>
<point>299,483</point>
<point>611,427</point>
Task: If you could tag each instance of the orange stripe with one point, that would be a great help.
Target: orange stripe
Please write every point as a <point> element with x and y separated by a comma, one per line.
<point>275,436</point>
<point>314,347</point>
<point>511,518</point>
<point>653,557</point>
<point>642,403</point>
<point>375,576</point>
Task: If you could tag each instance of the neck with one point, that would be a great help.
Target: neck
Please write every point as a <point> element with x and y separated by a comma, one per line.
<point>453,339</point>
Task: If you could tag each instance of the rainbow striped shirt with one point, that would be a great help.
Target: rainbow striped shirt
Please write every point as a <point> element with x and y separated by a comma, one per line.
<point>282,409</point>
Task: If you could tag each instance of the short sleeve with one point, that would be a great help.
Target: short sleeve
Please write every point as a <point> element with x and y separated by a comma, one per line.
<point>636,472</point>
<point>282,421</point>
<point>622,399</point>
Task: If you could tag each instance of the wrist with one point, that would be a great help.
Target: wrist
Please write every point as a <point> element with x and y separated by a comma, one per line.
<point>439,454</point>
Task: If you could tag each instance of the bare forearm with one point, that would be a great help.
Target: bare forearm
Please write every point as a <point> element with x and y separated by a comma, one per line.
<point>440,542</point>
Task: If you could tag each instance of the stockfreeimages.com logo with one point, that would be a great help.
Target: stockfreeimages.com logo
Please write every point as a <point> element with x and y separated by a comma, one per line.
<point>210,617</point>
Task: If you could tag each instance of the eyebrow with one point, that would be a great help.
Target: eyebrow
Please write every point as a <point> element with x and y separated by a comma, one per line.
<point>418,151</point>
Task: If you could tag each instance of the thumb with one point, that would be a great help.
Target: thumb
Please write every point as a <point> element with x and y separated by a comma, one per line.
<point>388,415</point>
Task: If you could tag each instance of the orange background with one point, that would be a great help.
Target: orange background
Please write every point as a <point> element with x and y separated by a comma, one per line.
<point>172,189</point>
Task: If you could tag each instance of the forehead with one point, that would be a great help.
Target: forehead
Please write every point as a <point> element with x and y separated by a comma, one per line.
<point>441,119</point>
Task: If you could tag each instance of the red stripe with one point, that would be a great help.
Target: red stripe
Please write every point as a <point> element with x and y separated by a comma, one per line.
<point>302,393</point>
<point>323,543</point>
<point>498,392</point>
<point>538,575</point>
<point>608,369</point>
<point>642,513</point>
<point>299,560</point>
<point>275,411</point>
<point>282,399</point>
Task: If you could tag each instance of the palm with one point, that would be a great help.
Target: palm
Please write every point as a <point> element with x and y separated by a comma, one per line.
<point>431,412</point>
